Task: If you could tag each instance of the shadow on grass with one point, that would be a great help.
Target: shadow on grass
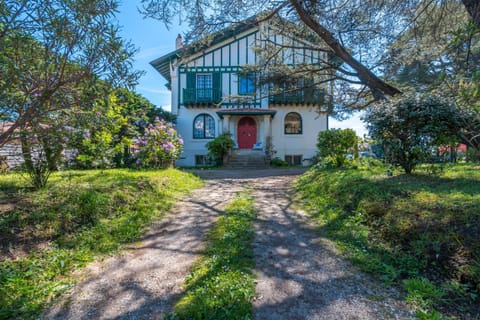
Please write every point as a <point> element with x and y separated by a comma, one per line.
<point>403,226</point>
<point>305,278</point>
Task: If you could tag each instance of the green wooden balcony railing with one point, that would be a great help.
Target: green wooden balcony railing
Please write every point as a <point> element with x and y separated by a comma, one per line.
<point>201,96</point>
<point>306,96</point>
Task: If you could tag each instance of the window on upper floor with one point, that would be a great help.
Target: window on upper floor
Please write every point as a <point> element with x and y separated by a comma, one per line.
<point>293,123</point>
<point>203,127</point>
<point>246,84</point>
<point>204,85</point>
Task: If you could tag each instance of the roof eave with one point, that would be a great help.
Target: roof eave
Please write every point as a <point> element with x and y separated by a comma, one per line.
<point>162,64</point>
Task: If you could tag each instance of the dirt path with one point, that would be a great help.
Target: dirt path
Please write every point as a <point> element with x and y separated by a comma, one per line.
<point>146,280</point>
<point>299,276</point>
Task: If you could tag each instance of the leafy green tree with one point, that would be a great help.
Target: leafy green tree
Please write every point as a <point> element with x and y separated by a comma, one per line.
<point>353,36</point>
<point>335,144</point>
<point>468,103</point>
<point>51,55</point>
<point>443,59</point>
<point>103,134</point>
<point>410,126</point>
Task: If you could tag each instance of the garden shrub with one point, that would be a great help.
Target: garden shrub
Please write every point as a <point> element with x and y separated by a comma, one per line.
<point>159,146</point>
<point>410,126</point>
<point>335,144</point>
<point>277,162</point>
<point>219,147</point>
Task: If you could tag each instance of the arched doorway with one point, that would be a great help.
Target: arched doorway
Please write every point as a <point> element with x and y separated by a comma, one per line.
<point>246,133</point>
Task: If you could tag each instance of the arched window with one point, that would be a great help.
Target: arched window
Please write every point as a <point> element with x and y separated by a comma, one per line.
<point>204,127</point>
<point>293,123</point>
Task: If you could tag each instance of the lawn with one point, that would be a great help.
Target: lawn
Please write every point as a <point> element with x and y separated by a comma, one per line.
<point>80,216</point>
<point>421,231</point>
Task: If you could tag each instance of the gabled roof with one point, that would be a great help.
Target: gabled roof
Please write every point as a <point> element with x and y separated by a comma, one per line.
<point>162,64</point>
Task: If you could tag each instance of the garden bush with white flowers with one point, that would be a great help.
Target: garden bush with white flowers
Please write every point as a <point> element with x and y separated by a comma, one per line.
<point>159,145</point>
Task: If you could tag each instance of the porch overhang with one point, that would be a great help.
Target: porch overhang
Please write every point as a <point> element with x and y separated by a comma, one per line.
<point>246,112</point>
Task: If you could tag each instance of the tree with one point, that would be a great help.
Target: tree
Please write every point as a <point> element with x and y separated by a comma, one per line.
<point>442,59</point>
<point>52,54</point>
<point>356,33</point>
<point>336,144</point>
<point>104,132</point>
<point>410,126</point>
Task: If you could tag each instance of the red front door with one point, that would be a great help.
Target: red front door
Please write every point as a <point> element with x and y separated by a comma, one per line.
<point>246,133</point>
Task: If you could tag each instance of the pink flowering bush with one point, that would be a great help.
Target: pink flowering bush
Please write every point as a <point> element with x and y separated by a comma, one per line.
<point>159,146</point>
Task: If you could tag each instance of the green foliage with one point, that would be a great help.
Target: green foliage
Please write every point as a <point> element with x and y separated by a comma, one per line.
<point>219,147</point>
<point>335,144</point>
<point>422,293</point>
<point>52,54</point>
<point>36,171</point>
<point>84,214</point>
<point>410,126</point>
<point>404,226</point>
<point>50,51</point>
<point>468,102</point>
<point>159,146</point>
<point>221,283</point>
<point>104,134</point>
<point>277,162</point>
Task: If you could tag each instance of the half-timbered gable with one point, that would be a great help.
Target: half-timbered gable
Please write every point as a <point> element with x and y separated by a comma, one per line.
<point>216,88</point>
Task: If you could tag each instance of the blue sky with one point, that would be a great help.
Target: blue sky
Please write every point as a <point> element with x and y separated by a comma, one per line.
<point>153,40</point>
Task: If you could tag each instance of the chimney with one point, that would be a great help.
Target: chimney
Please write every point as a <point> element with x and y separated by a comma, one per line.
<point>179,42</point>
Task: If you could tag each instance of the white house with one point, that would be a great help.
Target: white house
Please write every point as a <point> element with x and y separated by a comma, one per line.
<point>212,94</point>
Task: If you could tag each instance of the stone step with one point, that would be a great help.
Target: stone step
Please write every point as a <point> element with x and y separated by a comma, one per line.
<point>246,159</point>
<point>246,167</point>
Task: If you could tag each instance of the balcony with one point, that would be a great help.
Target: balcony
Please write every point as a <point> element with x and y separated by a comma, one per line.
<point>305,96</point>
<point>204,96</point>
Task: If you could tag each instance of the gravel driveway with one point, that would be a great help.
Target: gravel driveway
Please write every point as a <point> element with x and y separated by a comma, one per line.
<point>145,281</point>
<point>299,274</point>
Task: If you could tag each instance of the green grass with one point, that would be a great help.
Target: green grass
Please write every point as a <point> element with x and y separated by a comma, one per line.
<point>80,215</point>
<point>221,283</point>
<point>416,228</point>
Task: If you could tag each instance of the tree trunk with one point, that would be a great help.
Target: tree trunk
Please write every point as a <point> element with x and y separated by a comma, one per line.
<point>473,8</point>
<point>53,152</point>
<point>26,153</point>
<point>377,86</point>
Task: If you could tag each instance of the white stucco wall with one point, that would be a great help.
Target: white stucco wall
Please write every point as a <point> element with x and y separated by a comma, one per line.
<point>304,144</point>
<point>184,127</point>
<point>284,144</point>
